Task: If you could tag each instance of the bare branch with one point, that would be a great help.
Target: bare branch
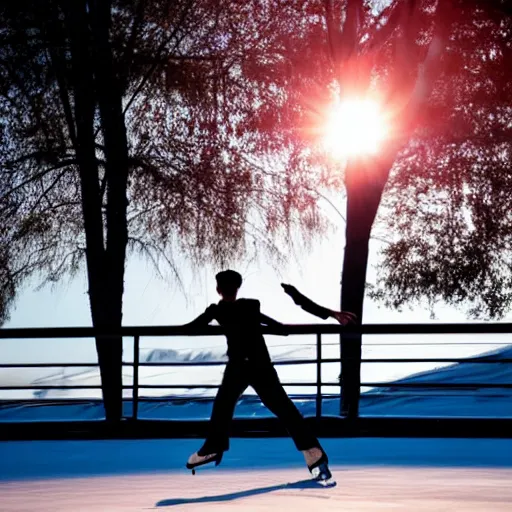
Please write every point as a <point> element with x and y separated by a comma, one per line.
<point>160,49</point>
<point>429,68</point>
<point>383,31</point>
<point>143,212</point>
<point>146,247</point>
<point>135,31</point>
<point>349,36</point>
<point>65,163</point>
<point>58,272</point>
<point>45,192</point>
<point>333,31</point>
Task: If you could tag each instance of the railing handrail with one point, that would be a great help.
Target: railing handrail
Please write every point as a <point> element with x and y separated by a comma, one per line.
<point>293,329</point>
<point>397,384</point>
<point>287,362</point>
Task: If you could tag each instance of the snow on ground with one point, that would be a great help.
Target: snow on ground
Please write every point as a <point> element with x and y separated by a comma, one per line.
<point>256,475</point>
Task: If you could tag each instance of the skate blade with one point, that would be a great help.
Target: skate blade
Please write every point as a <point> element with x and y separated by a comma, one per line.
<point>330,482</point>
<point>323,476</point>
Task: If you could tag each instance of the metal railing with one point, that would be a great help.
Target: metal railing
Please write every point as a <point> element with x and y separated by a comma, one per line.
<point>348,334</point>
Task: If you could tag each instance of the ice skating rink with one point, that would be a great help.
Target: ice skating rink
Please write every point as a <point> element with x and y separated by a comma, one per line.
<point>257,475</point>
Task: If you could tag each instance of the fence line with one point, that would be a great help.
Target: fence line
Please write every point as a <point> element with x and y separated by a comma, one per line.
<point>348,333</point>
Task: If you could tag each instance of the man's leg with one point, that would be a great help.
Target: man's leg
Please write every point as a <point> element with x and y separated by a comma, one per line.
<point>266,383</point>
<point>234,383</point>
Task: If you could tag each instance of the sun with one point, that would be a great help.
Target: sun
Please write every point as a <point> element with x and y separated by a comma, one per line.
<point>355,127</point>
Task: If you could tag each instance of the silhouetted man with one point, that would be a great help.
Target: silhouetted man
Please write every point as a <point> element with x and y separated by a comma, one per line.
<point>249,364</point>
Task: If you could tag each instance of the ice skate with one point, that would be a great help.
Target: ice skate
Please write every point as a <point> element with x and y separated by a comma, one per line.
<point>196,460</point>
<point>317,463</point>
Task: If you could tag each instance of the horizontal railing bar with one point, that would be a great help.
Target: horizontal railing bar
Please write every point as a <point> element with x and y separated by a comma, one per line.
<point>50,365</point>
<point>435,385</point>
<point>147,386</point>
<point>177,330</point>
<point>12,388</point>
<point>477,360</point>
<point>84,400</point>
<point>208,386</point>
<point>186,363</point>
<point>337,360</point>
<point>448,385</point>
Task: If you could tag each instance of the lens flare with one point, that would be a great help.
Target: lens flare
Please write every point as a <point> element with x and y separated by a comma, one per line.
<point>355,127</point>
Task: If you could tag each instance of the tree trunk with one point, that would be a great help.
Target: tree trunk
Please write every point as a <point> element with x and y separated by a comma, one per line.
<point>116,170</point>
<point>105,294</point>
<point>364,186</point>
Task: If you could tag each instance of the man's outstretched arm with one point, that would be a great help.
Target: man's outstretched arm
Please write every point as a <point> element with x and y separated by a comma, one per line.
<point>343,317</point>
<point>270,322</point>
<point>204,318</point>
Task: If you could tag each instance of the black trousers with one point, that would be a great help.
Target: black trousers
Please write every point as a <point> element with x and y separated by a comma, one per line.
<point>265,381</point>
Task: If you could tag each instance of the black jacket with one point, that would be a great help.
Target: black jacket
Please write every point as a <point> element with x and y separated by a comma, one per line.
<point>242,320</point>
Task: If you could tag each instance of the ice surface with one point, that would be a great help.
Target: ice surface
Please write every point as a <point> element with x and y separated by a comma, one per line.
<point>256,475</point>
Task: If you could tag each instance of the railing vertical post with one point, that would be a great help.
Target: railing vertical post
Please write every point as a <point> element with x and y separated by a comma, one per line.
<point>340,378</point>
<point>135,397</point>
<point>318,375</point>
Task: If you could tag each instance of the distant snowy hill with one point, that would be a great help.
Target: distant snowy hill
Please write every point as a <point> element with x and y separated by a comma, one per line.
<point>462,401</point>
<point>464,373</point>
<point>158,355</point>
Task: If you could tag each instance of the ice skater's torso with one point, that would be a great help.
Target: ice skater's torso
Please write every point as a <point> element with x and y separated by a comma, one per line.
<point>241,321</point>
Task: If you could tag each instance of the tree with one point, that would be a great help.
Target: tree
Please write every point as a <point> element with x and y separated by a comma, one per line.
<point>448,210</point>
<point>396,51</point>
<point>60,88</point>
<point>424,55</point>
<point>129,126</point>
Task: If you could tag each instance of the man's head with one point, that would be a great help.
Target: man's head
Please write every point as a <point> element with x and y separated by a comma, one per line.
<point>228,283</point>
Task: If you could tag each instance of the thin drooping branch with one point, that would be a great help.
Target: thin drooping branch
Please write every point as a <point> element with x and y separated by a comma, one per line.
<point>37,176</point>
<point>44,194</point>
<point>146,248</point>
<point>136,28</point>
<point>160,49</point>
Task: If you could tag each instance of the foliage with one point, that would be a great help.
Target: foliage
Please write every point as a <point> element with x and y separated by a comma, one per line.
<point>447,206</point>
<point>222,104</point>
<point>201,82</point>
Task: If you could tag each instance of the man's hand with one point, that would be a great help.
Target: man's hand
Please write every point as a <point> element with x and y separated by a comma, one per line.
<point>292,292</point>
<point>344,317</point>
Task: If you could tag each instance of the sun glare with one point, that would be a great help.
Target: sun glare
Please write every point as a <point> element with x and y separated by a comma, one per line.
<point>355,127</point>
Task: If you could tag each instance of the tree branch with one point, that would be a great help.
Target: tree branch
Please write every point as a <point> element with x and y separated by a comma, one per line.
<point>349,36</point>
<point>160,49</point>
<point>45,192</point>
<point>333,31</point>
<point>380,37</point>
<point>65,163</point>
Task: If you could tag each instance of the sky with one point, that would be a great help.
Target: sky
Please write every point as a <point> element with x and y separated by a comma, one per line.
<point>149,300</point>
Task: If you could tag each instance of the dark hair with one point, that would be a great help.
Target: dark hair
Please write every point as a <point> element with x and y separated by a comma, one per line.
<point>228,281</point>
